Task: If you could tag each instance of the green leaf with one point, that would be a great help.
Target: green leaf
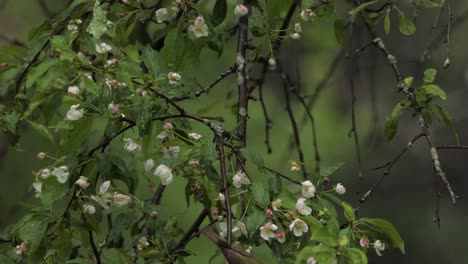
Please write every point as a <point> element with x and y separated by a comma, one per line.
<point>173,51</point>
<point>328,170</point>
<point>114,256</point>
<point>254,157</point>
<point>429,75</point>
<point>52,190</point>
<point>255,220</point>
<point>355,256</point>
<point>358,9</point>
<point>42,130</point>
<point>383,228</point>
<point>348,212</point>
<point>406,25</point>
<point>387,22</point>
<point>151,60</point>
<point>391,126</point>
<point>219,12</point>
<point>432,90</point>
<point>408,81</point>
<point>6,260</point>
<point>429,3</point>
<point>36,72</point>
<point>260,194</point>
<point>325,236</point>
<point>98,25</point>
<point>33,231</point>
<point>309,251</point>
<point>79,261</point>
<point>340,31</point>
<point>448,120</point>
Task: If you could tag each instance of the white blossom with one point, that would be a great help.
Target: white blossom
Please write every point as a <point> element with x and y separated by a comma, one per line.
<point>174,77</point>
<point>237,229</point>
<point>199,27</point>
<point>194,163</point>
<point>142,243</point>
<point>162,15</point>
<point>103,48</point>
<point>298,27</point>
<point>221,197</point>
<point>165,173</point>
<point>131,145</point>
<point>239,179</point>
<point>61,173</point>
<point>272,62</point>
<point>37,188</point>
<point>73,90</point>
<point>311,260</point>
<point>276,204</point>
<point>22,248</point>
<point>121,199</point>
<point>267,230</point>
<point>298,227</point>
<point>168,127</point>
<point>308,189</point>
<point>171,152</point>
<point>302,207</point>
<point>149,164</point>
<point>379,246</point>
<point>241,10</point>
<point>113,108</point>
<point>44,173</point>
<point>295,166</point>
<point>74,113</point>
<point>194,136</point>
<point>340,189</point>
<point>82,182</point>
<point>88,209</point>
<point>295,36</point>
<point>41,155</point>
<point>307,14</point>
<point>103,197</point>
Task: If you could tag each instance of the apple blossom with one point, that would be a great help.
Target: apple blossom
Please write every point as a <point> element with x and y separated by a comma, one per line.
<point>267,231</point>
<point>37,188</point>
<point>306,14</point>
<point>121,199</point>
<point>74,113</point>
<point>298,227</point>
<point>149,164</point>
<point>22,248</point>
<point>199,27</point>
<point>82,182</point>
<point>168,127</point>
<point>221,197</point>
<point>194,163</point>
<point>194,136</point>
<point>302,207</point>
<point>131,145</point>
<point>298,27</point>
<point>311,260</point>
<point>88,209</point>
<point>379,246</point>
<point>241,10</point>
<point>73,90</point>
<point>280,236</point>
<point>61,173</point>
<point>276,204</point>
<point>171,152</point>
<point>142,243</point>
<point>239,179</point>
<point>161,15</point>
<point>113,108</point>
<point>340,189</point>
<point>364,242</point>
<point>41,155</point>
<point>165,173</point>
<point>295,166</point>
<point>103,197</point>
<point>272,62</point>
<point>103,48</point>
<point>44,173</point>
<point>269,213</point>
<point>295,36</point>
<point>174,77</point>
<point>308,189</point>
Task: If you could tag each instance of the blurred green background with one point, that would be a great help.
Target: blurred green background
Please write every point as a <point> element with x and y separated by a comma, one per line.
<point>406,197</point>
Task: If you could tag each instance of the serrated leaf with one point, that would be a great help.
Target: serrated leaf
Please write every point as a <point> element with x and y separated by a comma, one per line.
<point>260,194</point>
<point>42,130</point>
<point>98,25</point>
<point>151,60</point>
<point>348,211</point>
<point>33,231</point>
<point>254,157</point>
<point>405,25</point>
<point>328,170</point>
<point>408,81</point>
<point>219,12</point>
<point>429,75</point>
<point>52,190</point>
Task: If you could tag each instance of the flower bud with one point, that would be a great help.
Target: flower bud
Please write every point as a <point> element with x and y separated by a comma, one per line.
<point>73,90</point>
<point>121,199</point>
<point>113,108</point>
<point>340,189</point>
<point>41,155</point>
<point>154,215</point>
<point>82,182</point>
<point>89,209</point>
<point>269,213</point>
<point>241,10</point>
<point>295,36</point>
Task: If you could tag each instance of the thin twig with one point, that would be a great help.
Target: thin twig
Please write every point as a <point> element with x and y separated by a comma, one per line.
<point>268,121</point>
<point>449,27</point>
<point>281,175</point>
<point>224,187</point>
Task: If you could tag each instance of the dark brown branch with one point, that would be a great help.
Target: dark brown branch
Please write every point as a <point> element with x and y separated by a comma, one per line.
<point>268,121</point>
<point>208,88</point>
<point>449,28</point>
<point>388,166</point>
<point>224,187</point>
<point>282,175</point>
<point>452,147</point>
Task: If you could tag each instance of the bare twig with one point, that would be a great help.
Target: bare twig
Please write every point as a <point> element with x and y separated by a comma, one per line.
<point>281,175</point>
<point>224,188</point>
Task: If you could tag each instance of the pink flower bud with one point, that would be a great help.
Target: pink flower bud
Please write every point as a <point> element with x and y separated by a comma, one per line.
<point>269,213</point>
